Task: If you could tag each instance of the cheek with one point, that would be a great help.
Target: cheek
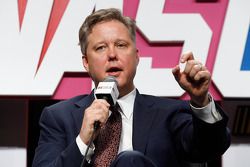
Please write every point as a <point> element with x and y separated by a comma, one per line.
<point>130,69</point>
<point>97,63</point>
<point>97,68</point>
<point>133,64</point>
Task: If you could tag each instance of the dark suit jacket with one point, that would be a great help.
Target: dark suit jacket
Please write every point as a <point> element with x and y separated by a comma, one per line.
<point>164,129</point>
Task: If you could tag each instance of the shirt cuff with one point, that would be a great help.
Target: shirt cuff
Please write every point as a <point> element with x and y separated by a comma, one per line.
<point>83,147</point>
<point>207,113</point>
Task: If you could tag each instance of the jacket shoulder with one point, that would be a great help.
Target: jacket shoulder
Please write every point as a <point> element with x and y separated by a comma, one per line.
<point>164,100</point>
<point>68,102</point>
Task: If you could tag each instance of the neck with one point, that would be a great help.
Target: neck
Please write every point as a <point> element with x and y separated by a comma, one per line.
<point>125,91</point>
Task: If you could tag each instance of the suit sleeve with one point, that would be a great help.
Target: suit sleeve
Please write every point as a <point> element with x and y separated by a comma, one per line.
<point>197,140</point>
<point>53,149</point>
<point>212,139</point>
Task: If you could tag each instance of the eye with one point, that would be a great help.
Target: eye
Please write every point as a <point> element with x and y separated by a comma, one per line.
<point>121,45</point>
<point>100,48</point>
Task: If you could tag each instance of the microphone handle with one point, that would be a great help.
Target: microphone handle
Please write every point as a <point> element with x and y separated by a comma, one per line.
<point>96,125</point>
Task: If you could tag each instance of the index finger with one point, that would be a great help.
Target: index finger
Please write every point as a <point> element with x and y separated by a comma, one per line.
<point>102,102</point>
<point>187,56</point>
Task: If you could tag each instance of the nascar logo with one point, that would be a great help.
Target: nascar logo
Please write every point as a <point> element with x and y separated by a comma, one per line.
<point>39,43</point>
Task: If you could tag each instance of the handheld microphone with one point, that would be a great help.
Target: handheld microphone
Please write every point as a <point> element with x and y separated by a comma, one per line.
<point>108,91</point>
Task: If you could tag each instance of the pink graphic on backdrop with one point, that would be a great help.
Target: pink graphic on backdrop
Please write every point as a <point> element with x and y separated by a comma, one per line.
<point>166,56</point>
<point>163,55</point>
<point>73,85</point>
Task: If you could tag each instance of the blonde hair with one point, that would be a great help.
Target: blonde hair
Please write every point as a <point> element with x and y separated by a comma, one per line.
<point>103,15</point>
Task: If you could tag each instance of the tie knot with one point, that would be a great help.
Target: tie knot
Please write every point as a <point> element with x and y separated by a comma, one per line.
<point>115,109</point>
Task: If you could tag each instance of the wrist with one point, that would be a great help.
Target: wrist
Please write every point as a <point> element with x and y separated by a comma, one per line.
<point>201,101</point>
<point>83,138</point>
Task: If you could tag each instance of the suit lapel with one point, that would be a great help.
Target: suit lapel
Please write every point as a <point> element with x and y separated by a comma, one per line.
<point>81,106</point>
<point>143,117</point>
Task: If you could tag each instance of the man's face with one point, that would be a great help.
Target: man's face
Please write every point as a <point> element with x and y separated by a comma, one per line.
<point>111,52</point>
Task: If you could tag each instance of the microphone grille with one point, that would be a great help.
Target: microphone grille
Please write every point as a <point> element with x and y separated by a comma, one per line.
<point>110,79</point>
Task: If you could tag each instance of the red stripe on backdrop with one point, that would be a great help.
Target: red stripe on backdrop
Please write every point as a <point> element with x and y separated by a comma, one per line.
<point>21,10</point>
<point>58,9</point>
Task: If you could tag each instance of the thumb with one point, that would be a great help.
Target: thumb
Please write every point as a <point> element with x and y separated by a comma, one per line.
<point>176,72</point>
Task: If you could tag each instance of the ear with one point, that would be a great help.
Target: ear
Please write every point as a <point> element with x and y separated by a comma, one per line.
<point>137,56</point>
<point>85,62</point>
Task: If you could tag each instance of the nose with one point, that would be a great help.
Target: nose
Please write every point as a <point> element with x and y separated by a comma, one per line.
<point>112,54</point>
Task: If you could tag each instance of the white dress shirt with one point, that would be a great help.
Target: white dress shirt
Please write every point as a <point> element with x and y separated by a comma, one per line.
<point>208,114</point>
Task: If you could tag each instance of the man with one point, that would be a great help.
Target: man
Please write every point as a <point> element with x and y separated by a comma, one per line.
<point>155,131</point>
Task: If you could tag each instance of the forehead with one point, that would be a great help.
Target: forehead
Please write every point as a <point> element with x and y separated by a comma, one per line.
<point>109,29</point>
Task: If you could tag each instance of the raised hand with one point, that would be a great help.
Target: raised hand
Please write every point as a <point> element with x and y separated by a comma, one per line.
<point>194,79</point>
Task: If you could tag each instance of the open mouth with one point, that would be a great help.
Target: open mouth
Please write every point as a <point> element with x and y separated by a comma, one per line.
<point>114,70</point>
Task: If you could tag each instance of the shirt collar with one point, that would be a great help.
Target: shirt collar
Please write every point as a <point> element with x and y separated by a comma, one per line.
<point>127,103</point>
